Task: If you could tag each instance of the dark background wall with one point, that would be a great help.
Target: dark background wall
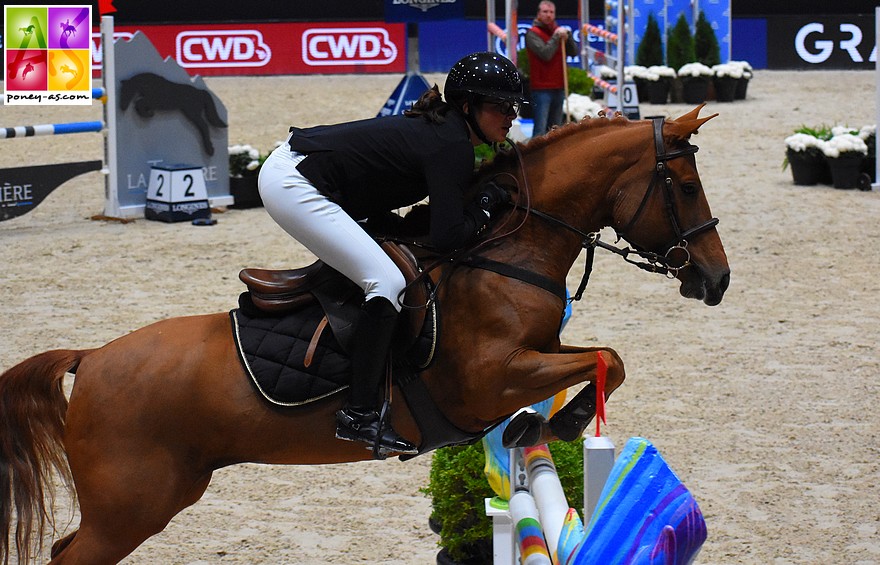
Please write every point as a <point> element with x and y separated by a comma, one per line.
<point>159,11</point>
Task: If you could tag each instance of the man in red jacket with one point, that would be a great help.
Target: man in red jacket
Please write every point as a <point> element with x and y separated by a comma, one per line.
<point>546,67</point>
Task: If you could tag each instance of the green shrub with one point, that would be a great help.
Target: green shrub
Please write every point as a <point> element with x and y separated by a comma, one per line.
<point>522,63</point>
<point>680,44</point>
<point>458,489</point>
<point>579,82</point>
<point>650,52</point>
<point>706,48</point>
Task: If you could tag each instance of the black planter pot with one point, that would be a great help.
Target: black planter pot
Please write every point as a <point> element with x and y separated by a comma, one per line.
<point>695,90</point>
<point>482,554</point>
<point>806,169</point>
<point>742,86</point>
<point>725,88</point>
<point>846,169</point>
<point>245,192</point>
<point>658,91</point>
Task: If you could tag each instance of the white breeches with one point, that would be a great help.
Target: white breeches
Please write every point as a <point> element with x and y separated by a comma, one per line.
<point>324,228</point>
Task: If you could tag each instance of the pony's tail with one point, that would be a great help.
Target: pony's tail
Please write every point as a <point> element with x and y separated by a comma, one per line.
<point>33,409</point>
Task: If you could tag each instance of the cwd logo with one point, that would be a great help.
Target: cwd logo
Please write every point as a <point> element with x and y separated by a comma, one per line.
<point>341,46</point>
<point>222,48</point>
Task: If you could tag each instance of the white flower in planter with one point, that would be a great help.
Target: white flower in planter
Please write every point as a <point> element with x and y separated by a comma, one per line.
<point>746,68</point>
<point>659,72</point>
<point>243,160</point>
<point>631,72</point>
<point>802,142</point>
<point>580,106</point>
<point>844,143</point>
<point>607,73</point>
<point>867,132</point>
<point>728,70</point>
<point>695,70</point>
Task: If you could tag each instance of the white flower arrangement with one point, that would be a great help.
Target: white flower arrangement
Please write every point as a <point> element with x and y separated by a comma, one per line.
<point>631,72</point>
<point>244,160</point>
<point>867,132</point>
<point>579,106</point>
<point>695,70</point>
<point>800,142</point>
<point>746,68</point>
<point>844,143</point>
<point>659,72</point>
<point>607,73</point>
<point>728,70</point>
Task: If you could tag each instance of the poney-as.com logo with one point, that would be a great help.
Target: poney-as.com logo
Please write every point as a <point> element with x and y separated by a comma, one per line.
<point>46,55</point>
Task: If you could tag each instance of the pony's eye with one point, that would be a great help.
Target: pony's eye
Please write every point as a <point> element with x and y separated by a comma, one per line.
<point>689,188</point>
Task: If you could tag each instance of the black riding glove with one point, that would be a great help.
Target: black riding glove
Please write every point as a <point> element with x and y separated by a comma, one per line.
<point>492,196</point>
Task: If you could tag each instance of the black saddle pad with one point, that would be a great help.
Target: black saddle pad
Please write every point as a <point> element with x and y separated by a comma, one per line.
<point>272,350</point>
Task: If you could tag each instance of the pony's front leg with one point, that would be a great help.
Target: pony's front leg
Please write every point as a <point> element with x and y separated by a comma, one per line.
<point>528,429</point>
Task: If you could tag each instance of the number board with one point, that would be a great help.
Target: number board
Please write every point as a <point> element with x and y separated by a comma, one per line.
<point>630,100</point>
<point>176,193</point>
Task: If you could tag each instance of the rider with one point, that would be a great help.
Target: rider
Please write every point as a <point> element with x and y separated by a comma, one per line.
<point>324,180</point>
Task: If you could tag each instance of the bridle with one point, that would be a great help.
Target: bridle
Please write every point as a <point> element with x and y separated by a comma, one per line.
<point>652,262</point>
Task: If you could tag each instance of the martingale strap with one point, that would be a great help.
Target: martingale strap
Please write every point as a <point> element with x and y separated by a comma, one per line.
<point>524,275</point>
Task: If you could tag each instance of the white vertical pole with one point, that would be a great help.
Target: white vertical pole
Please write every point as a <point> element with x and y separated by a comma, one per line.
<point>585,36</point>
<point>108,76</point>
<point>876,185</point>
<point>490,19</point>
<point>623,14</point>
<point>510,24</point>
<point>598,461</point>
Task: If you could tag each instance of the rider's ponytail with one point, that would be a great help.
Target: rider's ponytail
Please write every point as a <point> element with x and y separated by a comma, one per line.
<point>430,105</point>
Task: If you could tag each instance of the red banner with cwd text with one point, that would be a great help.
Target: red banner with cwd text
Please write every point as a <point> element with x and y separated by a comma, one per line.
<point>275,48</point>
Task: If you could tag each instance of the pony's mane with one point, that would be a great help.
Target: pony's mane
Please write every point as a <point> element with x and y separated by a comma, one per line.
<point>505,158</point>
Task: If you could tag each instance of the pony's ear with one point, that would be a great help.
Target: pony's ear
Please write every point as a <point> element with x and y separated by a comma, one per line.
<point>688,124</point>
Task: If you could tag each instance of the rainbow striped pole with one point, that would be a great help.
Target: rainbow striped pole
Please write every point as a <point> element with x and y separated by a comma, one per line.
<point>50,129</point>
<point>525,516</point>
<point>547,491</point>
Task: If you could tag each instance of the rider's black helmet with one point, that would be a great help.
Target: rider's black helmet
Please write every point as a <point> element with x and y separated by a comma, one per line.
<point>486,74</point>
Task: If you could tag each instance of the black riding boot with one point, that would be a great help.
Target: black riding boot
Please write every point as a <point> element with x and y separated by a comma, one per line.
<point>359,419</point>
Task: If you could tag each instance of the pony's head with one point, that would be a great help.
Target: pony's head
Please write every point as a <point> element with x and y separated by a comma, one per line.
<point>670,215</point>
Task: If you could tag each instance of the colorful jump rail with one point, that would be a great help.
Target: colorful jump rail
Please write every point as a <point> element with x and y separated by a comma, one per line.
<point>51,129</point>
<point>599,32</point>
<point>644,515</point>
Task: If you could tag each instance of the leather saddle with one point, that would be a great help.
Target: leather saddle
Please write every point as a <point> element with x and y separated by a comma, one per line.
<point>278,292</point>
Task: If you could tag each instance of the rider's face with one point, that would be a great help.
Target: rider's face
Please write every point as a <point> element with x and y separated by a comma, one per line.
<point>495,118</point>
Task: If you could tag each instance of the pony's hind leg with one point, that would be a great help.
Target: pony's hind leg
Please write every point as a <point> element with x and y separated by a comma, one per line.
<point>120,516</point>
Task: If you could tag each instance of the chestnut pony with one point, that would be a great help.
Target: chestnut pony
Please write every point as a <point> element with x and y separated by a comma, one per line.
<point>155,412</point>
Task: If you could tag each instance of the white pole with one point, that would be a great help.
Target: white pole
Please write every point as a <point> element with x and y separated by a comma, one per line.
<point>585,35</point>
<point>876,185</point>
<point>108,76</point>
<point>490,19</point>
<point>598,461</point>
<point>510,24</point>
<point>622,16</point>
